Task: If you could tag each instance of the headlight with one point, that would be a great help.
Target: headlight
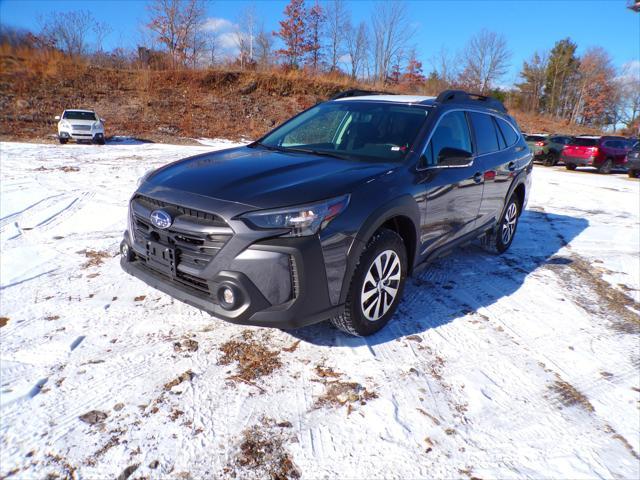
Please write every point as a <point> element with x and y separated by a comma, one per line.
<point>302,220</point>
<point>144,177</point>
<point>96,124</point>
<point>65,124</point>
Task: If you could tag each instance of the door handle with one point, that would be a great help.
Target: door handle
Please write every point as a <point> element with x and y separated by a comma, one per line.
<point>477,177</point>
<point>511,166</point>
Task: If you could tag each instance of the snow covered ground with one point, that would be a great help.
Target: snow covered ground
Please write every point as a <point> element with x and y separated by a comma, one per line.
<point>524,365</point>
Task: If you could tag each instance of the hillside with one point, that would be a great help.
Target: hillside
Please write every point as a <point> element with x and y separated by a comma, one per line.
<point>166,105</point>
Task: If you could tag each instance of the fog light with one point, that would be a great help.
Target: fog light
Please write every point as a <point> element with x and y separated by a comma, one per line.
<point>124,249</point>
<point>228,296</point>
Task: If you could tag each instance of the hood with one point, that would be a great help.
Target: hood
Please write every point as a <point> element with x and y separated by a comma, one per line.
<point>265,179</point>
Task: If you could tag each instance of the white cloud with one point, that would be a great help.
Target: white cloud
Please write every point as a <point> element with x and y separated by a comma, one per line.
<point>215,24</point>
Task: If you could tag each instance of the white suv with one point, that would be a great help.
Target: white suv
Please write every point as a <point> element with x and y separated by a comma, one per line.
<point>80,125</point>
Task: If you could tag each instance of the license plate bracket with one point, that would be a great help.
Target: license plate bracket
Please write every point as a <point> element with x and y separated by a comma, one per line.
<point>162,258</point>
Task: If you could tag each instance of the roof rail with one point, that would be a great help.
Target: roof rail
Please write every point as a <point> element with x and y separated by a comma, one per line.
<point>460,96</point>
<point>356,92</point>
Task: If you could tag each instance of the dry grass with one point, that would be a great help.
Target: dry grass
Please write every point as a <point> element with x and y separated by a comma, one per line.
<point>262,451</point>
<point>95,257</point>
<point>163,105</point>
<point>4,321</point>
<point>254,360</point>
<point>185,377</point>
<point>570,396</point>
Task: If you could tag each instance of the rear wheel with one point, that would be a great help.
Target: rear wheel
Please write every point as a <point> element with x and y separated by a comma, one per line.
<point>606,167</point>
<point>570,166</point>
<point>376,286</point>
<point>633,173</point>
<point>502,238</point>
<point>63,140</point>
<point>550,160</point>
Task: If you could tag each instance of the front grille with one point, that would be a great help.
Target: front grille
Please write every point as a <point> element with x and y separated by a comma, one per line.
<point>81,127</point>
<point>195,236</point>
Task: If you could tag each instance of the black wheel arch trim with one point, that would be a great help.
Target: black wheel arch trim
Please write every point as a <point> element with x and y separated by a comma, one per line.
<point>404,206</point>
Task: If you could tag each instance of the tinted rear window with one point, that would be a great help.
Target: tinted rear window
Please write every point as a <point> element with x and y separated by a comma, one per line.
<point>585,142</point>
<point>485,132</point>
<point>534,138</point>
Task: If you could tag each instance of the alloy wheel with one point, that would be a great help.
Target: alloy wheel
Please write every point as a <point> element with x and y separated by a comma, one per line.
<point>380,286</point>
<point>509,223</point>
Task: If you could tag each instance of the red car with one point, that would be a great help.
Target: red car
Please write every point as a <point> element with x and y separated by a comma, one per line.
<point>603,153</point>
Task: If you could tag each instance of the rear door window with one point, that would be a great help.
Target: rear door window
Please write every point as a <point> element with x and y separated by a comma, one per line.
<point>509,134</point>
<point>485,133</point>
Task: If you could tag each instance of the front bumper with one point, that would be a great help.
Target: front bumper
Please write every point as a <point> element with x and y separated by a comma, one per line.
<point>81,135</point>
<point>278,281</point>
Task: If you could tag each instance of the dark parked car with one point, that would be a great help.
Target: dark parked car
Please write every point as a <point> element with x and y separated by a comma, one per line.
<point>603,153</point>
<point>536,144</point>
<point>326,216</point>
<point>552,149</point>
<point>633,161</point>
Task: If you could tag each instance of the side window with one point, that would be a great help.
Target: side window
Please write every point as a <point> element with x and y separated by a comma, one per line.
<point>509,134</point>
<point>501,140</point>
<point>451,132</point>
<point>485,132</point>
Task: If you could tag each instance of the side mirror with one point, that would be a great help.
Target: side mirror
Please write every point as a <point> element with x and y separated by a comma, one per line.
<point>57,117</point>
<point>454,157</point>
<point>102,120</point>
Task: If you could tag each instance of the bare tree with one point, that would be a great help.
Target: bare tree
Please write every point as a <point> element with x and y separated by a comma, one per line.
<point>444,65</point>
<point>175,23</point>
<point>69,31</point>
<point>357,41</point>
<point>264,48</point>
<point>629,87</point>
<point>101,30</point>
<point>485,60</point>
<point>245,35</point>
<point>337,23</point>
<point>392,31</point>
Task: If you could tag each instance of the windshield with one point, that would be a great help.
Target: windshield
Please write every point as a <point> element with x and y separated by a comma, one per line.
<point>74,115</point>
<point>585,142</point>
<point>359,129</point>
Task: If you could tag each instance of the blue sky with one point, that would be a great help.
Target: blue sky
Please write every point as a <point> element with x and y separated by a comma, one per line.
<point>527,25</point>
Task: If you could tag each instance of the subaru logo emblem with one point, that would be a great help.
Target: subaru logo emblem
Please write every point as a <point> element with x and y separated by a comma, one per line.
<point>161,219</point>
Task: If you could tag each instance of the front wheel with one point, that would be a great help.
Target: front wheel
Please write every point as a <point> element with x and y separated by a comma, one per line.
<point>376,286</point>
<point>633,173</point>
<point>570,166</point>
<point>62,140</point>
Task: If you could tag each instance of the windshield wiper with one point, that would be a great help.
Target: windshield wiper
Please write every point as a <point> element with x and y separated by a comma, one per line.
<point>323,153</point>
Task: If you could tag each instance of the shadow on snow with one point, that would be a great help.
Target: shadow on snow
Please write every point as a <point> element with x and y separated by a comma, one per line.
<point>465,281</point>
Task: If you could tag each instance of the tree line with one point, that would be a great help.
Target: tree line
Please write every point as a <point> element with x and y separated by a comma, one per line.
<point>321,39</point>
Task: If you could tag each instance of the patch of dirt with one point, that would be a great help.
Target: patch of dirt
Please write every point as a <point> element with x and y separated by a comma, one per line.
<point>262,452</point>
<point>185,377</point>
<point>185,345</point>
<point>338,393</point>
<point>585,284</point>
<point>66,469</point>
<point>96,257</point>
<point>254,360</point>
<point>68,169</point>
<point>570,396</point>
<point>324,372</point>
<point>292,348</point>
<point>4,321</point>
<point>614,434</point>
<point>93,417</point>
<point>50,318</point>
<point>112,442</point>
<point>139,298</point>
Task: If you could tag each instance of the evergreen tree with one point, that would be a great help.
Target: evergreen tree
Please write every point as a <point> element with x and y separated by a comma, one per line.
<point>560,79</point>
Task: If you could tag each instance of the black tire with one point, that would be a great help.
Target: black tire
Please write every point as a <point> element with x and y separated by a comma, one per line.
<point>606,167</point>
<point>494,241</point>
<point>548,160</point>
<point>570,166</point>
<point>354,319</point>
<point>63,141</point>
<point>99,141</point>
<point>633,173</point>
